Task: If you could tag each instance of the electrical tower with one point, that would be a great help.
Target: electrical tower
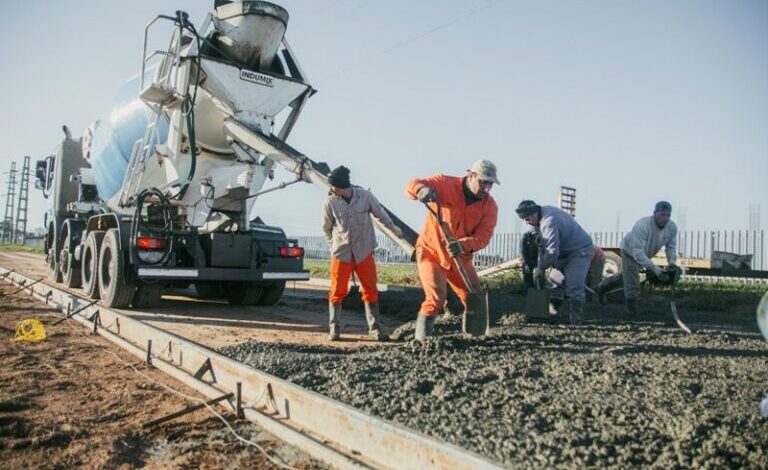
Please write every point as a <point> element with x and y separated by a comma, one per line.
<point>567,200</point>
<point>7,236</point>
<point>20,228</point>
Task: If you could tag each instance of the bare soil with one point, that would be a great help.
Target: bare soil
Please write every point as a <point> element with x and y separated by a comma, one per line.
<point>67,402</point>
<point>301,317</point>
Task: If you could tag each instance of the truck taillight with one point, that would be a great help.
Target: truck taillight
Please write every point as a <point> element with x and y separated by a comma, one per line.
<point>291,252</point>
<point>149,243</point>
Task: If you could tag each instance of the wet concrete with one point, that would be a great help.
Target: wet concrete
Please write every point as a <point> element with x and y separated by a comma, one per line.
<point>613,392</point>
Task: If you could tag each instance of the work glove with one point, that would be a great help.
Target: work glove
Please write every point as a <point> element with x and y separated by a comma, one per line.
<point>658,271</point>
<point>426,194</point>
<point>454,248</point>
<point>397,232</point>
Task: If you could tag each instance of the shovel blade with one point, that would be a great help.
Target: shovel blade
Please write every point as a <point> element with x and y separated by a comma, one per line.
<point>537,303</point>
<point>475,321</point>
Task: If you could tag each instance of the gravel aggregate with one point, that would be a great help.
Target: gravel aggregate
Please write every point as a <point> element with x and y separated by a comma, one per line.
<point>612,392</point>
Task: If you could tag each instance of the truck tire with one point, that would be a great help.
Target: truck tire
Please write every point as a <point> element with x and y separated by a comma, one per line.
<point>147,295</point>
<point>271,293</point>
<point>242,293</point>
<point>54,273</point>
<point>612,264</point>
<point>116,284</point>
<point>70,269</point>
<point>209,290</point>
<point>89,265</point>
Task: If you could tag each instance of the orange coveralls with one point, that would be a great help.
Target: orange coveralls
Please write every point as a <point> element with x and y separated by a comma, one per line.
<point>471,225</point>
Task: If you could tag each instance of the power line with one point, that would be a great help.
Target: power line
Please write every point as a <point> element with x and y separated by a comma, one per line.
<point>415,38</point>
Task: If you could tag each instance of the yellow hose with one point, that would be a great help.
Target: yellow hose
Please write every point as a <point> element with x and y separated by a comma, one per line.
<point>30,330</point>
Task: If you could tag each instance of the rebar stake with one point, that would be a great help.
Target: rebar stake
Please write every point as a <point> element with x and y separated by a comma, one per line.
<point>240,413</point>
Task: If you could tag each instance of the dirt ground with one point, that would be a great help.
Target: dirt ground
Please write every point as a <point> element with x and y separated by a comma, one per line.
<point>615,392</point>
<point>66,402</point>
<point>300,318</point>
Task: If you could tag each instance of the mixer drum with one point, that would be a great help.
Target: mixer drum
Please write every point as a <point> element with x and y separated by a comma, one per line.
<point>114,138</point>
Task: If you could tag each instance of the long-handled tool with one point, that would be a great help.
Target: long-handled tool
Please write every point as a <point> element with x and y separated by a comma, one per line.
<point>475,322</point>
<point>673,307</point>
<point>537,296</point>
<point>537,300</point>
<point>671,280</point>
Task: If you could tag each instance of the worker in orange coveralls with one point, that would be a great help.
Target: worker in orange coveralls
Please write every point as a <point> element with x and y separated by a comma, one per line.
<point>348,229</point>
<point>469,212</point>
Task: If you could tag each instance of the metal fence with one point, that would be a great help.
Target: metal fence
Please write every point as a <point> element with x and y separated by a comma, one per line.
<point>506,246</point>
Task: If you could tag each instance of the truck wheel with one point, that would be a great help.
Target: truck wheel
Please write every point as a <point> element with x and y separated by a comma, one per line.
<point>89,267</point>
<point>612,264</point>
<point>209,290</point>
<point>54,273</point>
<point>242,293</point>
<point>147,295</point>
<point>70,269</point>
<point>116,285</point>
<point>271,293</point>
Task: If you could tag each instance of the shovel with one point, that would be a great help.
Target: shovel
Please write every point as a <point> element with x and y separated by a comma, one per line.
<point>537,301</point>
<point>475,321</point>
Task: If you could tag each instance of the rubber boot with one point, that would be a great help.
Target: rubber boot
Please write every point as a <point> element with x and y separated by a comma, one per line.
<point>577,313</point>
<point>334,321</point>
<point>600,291</point>
<point>631,306</point>
<point>374,324</point>
<point>425,326</point>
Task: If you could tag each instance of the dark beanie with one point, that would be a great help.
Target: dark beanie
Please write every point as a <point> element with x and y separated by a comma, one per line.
<point>527,207</point>
<point>663,206</point>
<point>339,177</point>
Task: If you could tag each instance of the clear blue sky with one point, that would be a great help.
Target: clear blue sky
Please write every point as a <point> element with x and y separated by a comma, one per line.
<point>630,102</point>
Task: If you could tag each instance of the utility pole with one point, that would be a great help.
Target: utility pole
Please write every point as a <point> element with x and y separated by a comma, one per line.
<point>9,202</point>
<point>20,228</point>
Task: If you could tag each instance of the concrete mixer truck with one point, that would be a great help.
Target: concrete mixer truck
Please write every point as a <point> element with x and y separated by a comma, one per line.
<point>166,190</point>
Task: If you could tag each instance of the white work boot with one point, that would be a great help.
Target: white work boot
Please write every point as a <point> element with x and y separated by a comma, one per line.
<point>425,326</point>
<point>374,324</point>
<point>334,321</point>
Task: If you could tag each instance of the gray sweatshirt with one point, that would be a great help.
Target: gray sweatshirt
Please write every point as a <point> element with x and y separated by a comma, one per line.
<point>348,228</point>
<point>646,239</point>
<point>560,235</point>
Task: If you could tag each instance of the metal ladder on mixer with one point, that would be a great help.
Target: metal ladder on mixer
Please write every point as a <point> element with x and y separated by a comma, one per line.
<point>155,96</point>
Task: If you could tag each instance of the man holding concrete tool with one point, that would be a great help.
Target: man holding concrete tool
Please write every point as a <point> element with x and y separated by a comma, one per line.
<point>348,229</point>
<point>468,213</point>
<point>565,246</point>
<point>647,237</point>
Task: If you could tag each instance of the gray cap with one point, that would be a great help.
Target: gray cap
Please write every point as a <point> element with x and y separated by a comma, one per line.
<point>663,206</point>
<point>485,170</point>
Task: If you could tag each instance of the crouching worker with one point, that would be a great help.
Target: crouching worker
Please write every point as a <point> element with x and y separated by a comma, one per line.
<point>647,237</point>
<point>565,246</point>
<point>348,229</point>
<point>469,214</point>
